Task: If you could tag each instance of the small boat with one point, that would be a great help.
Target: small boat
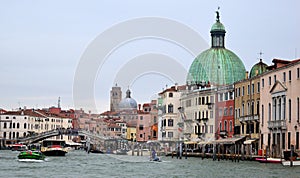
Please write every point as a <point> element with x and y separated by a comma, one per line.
<point>291,163</point>
<point>54,148</point>
<point>289,160</point>
<point>18,147</point>
<point>31,156</point>
<point>268,160</point>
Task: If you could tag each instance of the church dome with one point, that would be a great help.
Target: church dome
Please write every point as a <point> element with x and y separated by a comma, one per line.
<point>127,103</point>
<point>217,65</point>
<point>258,69</point>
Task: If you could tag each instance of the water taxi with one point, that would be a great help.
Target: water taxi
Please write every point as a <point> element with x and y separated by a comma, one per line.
<point>54,148</point>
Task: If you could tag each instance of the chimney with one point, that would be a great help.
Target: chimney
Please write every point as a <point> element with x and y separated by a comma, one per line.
<point>176,86</point>
<point>247,75</point>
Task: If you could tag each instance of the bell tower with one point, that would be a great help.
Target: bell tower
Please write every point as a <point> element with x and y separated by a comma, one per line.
<point>115,98</point>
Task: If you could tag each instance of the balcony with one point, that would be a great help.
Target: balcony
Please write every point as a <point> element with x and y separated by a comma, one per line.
<point>278,124</point>
<point>249,118</point>
<point>210,105</point>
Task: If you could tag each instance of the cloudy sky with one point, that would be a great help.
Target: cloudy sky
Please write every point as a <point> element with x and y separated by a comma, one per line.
<point>44,44</point>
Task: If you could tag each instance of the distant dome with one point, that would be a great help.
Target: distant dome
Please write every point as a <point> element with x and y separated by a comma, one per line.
<point>217,65</point>
<point>127,103</point>
<point>258,69</point>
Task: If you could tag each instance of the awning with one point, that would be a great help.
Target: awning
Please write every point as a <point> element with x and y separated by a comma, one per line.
<point>248,142</point>
<point>232,140</point>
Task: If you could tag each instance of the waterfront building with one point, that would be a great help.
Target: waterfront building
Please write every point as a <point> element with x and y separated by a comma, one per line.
<point>248,106</point>
<point>26,122</point>
<point>208,102</point>
<point>280,110</point>
<point>169,132</point>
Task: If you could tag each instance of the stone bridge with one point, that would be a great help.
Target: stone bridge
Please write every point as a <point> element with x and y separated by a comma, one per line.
<point>51,133</point>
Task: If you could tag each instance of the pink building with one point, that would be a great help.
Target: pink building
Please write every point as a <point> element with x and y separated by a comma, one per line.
<point>280,113</point>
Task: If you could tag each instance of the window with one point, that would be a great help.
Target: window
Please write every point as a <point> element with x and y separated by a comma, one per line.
<point>220,128</point>
<point>298,114</point>
<point>18,125</point>
<point>258,87</point>
<point>141,127</point>
<point>203,100</point>
<point>297,140</point>
<point>199,100</point>
<point>170,95</point>
<point>170,108</point>
<point>225,125</point>
<point>225,111</point>
<point>211,114</point>
<point>243,109</point>
<point>284,77</point>
<point>269,111</point>
<point>262,82</point>
<point>230,126</point>
<point>141,118</point>
<point>231,111</point>
<point>248,89</point>
<point>170,122</point>
<point>262,114</point>
<point>270,80</point>
<point>290,75</point>
<point>4,126</point>
<point>14,125</point>
<point>252,92</point>
<point>289,140</point>
<point>274,78</point>
<point>170,134</point>
<point>298,73</point>
<point>243,91</point>
<point>211,129</point>
<point>290,110</point>
<point>220,112</point>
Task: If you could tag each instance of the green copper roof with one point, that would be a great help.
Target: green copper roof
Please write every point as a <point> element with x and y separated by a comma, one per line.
<point>218,26</point>
<point>217,66</point>
<point>258,69</point>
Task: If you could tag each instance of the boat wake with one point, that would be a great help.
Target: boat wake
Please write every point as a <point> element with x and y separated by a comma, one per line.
<point>31,160</point>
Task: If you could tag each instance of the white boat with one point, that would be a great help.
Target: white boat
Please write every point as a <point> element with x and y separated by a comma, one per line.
<point>54,148</point>
<point>288,163</point>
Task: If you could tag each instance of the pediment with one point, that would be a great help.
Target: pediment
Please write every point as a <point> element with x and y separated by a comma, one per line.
<point>278,87</point>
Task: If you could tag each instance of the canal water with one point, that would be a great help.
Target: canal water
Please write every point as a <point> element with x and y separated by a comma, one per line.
<point>80,164</point>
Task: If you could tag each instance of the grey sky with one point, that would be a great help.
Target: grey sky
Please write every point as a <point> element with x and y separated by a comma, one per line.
<point>41,42</point>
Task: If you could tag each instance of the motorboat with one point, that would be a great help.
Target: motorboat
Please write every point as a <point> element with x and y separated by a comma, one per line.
<point>30,156</point>
<point>268,160</point>
<point>54,148</point>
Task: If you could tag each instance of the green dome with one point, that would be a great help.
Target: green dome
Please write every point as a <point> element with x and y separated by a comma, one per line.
<point>258,69</point>
<point>218,26</point>
<point>217,66</point>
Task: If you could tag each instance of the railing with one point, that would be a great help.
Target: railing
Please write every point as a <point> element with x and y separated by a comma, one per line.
<point>278,124</point>
<point>249,118</point>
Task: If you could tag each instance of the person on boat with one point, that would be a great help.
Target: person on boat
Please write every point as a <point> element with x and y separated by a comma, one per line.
<point>154,156</point>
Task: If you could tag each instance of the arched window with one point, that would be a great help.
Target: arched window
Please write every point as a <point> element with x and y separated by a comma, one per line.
<point>18,125</point>
<point>17,134</point>
<point>14,125</point>
<point>25,125</point>
<point>170,122</point>
<point>225,125</point>
<point>14,135</point>
<point>4,126</point>
<point>220,126</point>
<point>230,126</point>
<point>170,108</point>
<point>24,134</point>
<point>4,134</point>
